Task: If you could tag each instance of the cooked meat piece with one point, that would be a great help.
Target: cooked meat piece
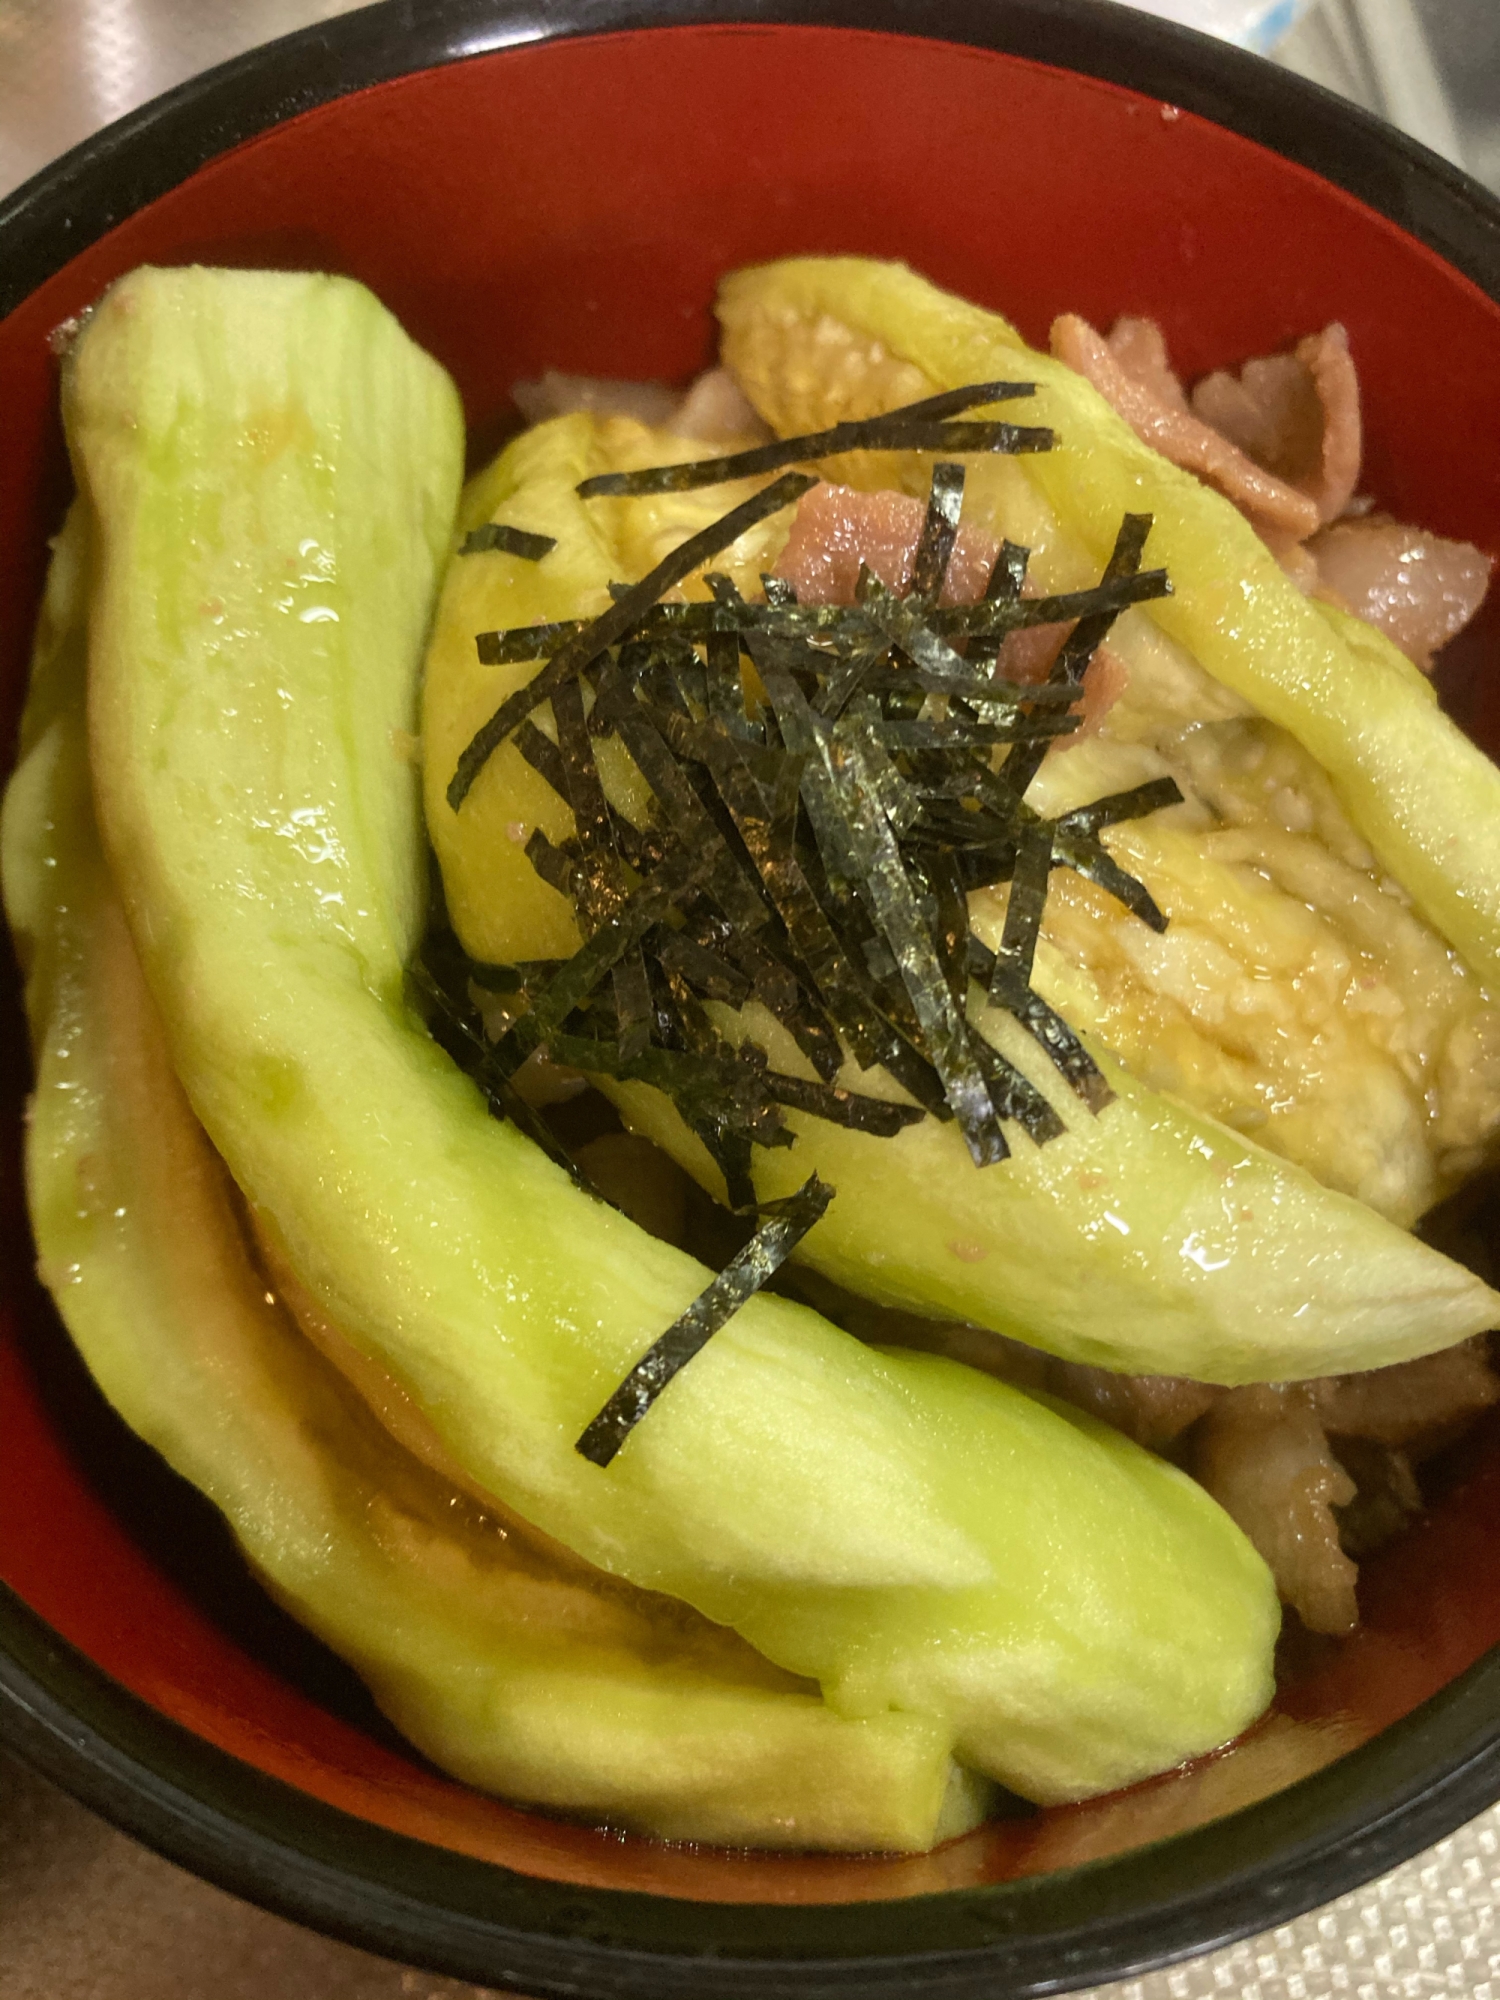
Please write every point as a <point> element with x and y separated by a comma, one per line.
<point>836,528</point>
<point>1283,440</point>
<point>1386,1498</point>
<point>557,395</point>
<point>1178,434</point>
<point>1416,588</point>
<point>1263,1455</point>
<point>1153,1409</point>
<point>1295,414</point>
<point>1141,350</point>
<point>717,410</point>
<point>1105,680</point>
<point>1418,1405</point>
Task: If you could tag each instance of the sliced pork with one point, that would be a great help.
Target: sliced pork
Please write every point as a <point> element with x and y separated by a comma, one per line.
<point>1282,438</point>
<point>1173,430</point>
<point>1140,347</point>
<point>836,528</point>
<point>1297,415</point>
<point>1416,588</point>
<point>1416,1405</point>
<point>1266,1459</point>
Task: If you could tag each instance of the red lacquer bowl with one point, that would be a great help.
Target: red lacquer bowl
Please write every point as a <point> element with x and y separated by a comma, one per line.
<point>564,192</point>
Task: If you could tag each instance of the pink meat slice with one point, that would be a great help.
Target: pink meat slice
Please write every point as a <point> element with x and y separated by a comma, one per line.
<point>1297,415</point>
<point>1140,347</point>
<point>1173,430</point>
<point>1415,587</point>
<point>836,528</point>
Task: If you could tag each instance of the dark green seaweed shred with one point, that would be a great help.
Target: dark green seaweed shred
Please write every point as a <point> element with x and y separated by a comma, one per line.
<point>611,626</point>
<point>922,426</point>
<point>602,886</point>
<point>704,971</point>
<point>765,1253</point>
<point>1079,647</point>
<point>860,1113</point>
<point>1134,804</point>
<point>775,984</point>
<point>827,783</point>
<point>543,755</point>
<point>1125,561</point>
<point>959,734</point>
<point>510,541</point>
<point>1088,858</point>
<point>886,886</point>
<point>526,642</point>
<point>673,878</point>
<point>557,866</point>
<point>937,869</point>
<point>1014,1096</point>
<point>1047,1028</point>
<point>939,532</point>
<point>439,978</point>
<point>1023,912</point>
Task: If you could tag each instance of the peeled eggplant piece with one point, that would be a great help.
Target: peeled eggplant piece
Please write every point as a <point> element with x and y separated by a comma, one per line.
<point>1149,1238</point>
<point>511,1665</point>
<point>913,1537</point>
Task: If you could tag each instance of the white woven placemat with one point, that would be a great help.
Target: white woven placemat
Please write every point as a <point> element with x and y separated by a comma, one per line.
<point>85,1914</point>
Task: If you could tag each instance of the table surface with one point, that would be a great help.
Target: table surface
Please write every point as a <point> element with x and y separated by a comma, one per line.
<point>86,1913</point>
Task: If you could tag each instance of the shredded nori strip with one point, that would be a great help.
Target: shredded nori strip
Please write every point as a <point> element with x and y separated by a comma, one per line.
<point>602,888</point>
<point>703,971</point>
<point>556,865</point>
<point>843,1107</point>
<point>988,621</point>
<point>510,541</point>
<point>613,625</point>
<point>543,755</point>
<point>919,426</point>
<point>1014,1096</point>
<point>939,532</point>
<point>438,979</point>
<point>540,642</point>
<point>826,788</point>
<point>1070,1058</point>
<point>1134,804</point>
<point>884,883</point>
<point>1085,855</point>
<point>964,735</point>
<point>577,976</point>
<point>1023,913</point>
<point>765,1253</point>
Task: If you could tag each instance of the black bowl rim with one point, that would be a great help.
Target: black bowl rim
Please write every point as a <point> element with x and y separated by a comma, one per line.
<point>1040,1935</point>
<point>267,1841</point>
<point>78,198</point>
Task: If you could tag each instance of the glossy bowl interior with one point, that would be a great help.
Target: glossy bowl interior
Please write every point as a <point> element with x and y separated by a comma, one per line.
<point>570,202</point>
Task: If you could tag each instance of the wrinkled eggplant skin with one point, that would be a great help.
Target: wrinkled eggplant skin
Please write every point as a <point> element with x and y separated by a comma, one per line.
<point>1149,1238</point>
<point>908,1535</point>
<point>1422,795</point>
